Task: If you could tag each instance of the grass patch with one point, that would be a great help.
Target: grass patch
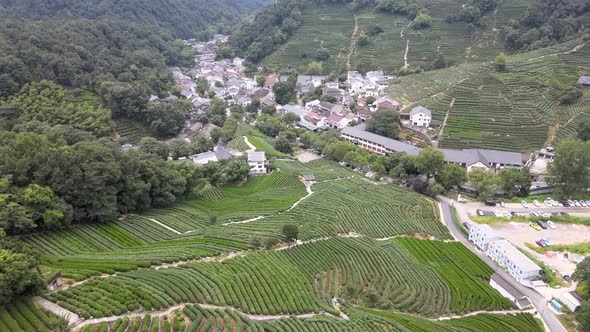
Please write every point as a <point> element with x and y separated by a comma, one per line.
<point>556,219</point>
<point>263,145</point>
<point>580,248</point>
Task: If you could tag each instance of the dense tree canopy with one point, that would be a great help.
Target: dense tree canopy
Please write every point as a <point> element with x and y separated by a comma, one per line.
<point>385,122</point>
<point>183,17</point>
<point>570,171</point>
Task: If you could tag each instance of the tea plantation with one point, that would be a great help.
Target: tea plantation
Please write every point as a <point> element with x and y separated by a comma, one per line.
<point>516,110</point>
<point>361,247</point>
<point>24,315</point>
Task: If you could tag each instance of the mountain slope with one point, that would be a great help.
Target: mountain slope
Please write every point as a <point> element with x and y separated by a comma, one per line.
<point>182,17</point>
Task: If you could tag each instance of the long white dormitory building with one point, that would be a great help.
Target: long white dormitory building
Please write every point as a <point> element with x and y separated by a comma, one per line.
<point>503,252</point>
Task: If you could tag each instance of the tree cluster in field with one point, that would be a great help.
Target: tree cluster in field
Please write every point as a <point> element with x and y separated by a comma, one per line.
<point>384,122</point>
<point>548,22</point>
<point>582,276</point>
<point>510,181</point>
<point>473,11</point>
<point>89,181</point>
<point>570,170</point>
<point>181,17</point>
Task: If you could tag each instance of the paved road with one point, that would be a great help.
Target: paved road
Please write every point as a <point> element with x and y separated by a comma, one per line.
<point>537,299</point>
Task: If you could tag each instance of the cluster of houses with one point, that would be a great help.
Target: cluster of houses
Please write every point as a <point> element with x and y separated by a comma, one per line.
<point>256,159</point>
<point>467,158</point>
<point>349,104</point>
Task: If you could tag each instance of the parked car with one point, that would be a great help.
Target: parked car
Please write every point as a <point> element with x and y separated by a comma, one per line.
<point>536,203</point>
<point>541,244</point>
<point>498,214</point>
<point>542,224</point>
<point>551,224</point>
<point>461,199</point>
<point>479,212</point>
<point>543,214</point>
<point>557,214</point>
<point>534,214</point>
<point>467,225</point>
<point>507,215</point>
<point>544,240</point>
<point>534,226</point>
<point>577,203</point>
<point>490,203</point>
<point>514,214</point>
<point>502,204</point>
<point>588,203</point>
<point>583,203</point>
<point>524,204</point>
<point>566,277</point>
<point>565,203</point>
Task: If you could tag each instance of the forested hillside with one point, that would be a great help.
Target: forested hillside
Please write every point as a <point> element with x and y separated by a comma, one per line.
<point>183,17</point>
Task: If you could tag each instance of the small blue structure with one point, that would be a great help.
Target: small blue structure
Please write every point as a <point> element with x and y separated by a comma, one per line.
<point>556,305</point>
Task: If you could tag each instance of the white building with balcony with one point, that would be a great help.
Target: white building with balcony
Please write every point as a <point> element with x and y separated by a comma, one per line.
<point>482,235</point>
<point>518,264</point>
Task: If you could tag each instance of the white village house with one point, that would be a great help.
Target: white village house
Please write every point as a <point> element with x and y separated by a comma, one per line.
<point>502,285</point>
<point>257,161</point>
<point>420,116</point>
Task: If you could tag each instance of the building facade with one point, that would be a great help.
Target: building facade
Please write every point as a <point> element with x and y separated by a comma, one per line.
<point>258,163</point>
<point>516,263</point>
<point>482,235</point>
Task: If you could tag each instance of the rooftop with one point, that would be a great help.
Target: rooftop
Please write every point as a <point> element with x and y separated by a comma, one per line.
<point>256,156</point>
<point>391,144</point>
<point>585,80</point>
<point>507,286</point>
<point>515,256</point>
<point>420,109</point>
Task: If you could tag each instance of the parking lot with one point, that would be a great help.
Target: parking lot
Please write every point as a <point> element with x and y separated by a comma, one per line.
<point>520,233</point>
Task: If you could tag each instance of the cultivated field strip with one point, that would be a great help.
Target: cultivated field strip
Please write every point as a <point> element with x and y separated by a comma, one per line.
<point>286,282</point>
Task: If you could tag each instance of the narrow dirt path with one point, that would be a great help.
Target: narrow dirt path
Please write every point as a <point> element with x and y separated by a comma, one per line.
<point>250,145</point>
<point>44,304</point>
<point>575,49</point>
<point>352,41</point>
<point>442,127</point>
<point>309,193</point>
<point>497,312</point>
<point>406,53</point>
<point>168,311</point>
<point>168,228</point>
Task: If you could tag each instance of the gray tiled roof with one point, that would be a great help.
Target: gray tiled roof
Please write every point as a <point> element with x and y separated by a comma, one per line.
<point>391,144</point>
<point>507,286</point>
<point>256,156</point>
<point>514,255</point>
<point>420,109</point>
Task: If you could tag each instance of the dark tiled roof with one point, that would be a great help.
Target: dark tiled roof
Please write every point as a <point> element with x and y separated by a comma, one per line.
<point>391,144</point>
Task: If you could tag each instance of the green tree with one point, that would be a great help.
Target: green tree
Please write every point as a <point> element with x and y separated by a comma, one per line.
<point>283,145</point>
<point>315,68</point>
<point>290,232</point>
<point>501,60</point>
<point>180,148</point>
<point>212,218</point>
<point>583,129</point>
<point>430,161</point>
<point>202,86</point>
<point>421,21</point>
<point>216,113</point>
<point>484,181</point>
<point>270,242</point>
<point>228,131</point>
<point>515,181</point>
<point>291,118</point>
<point>583,315</point>
<point>435,189</point>
<point>370,100</point>
<point>20,274</point>
<point>151,145</point>
<point>284,92</point>
<point>569,172</point>
<point>582,272</point>
<point>451,175</point>
<point>385,122</point>
<point>362,40</point>
<point>167,118</point>
<point>236,170</point>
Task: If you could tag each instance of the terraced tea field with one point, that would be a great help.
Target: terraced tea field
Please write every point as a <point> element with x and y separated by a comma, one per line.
<point>303,280</point>
<point>24,316</point>
<point>331,27</point>
<point>517,110</point>
<point>131,131</point>
<point>197,318</point>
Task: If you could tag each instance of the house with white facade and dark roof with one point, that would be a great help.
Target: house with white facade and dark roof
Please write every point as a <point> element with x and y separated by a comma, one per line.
<point>420,116</point>
<point>258,162</point>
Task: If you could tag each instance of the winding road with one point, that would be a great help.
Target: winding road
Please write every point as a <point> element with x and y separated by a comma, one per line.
<point>552,323</point>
